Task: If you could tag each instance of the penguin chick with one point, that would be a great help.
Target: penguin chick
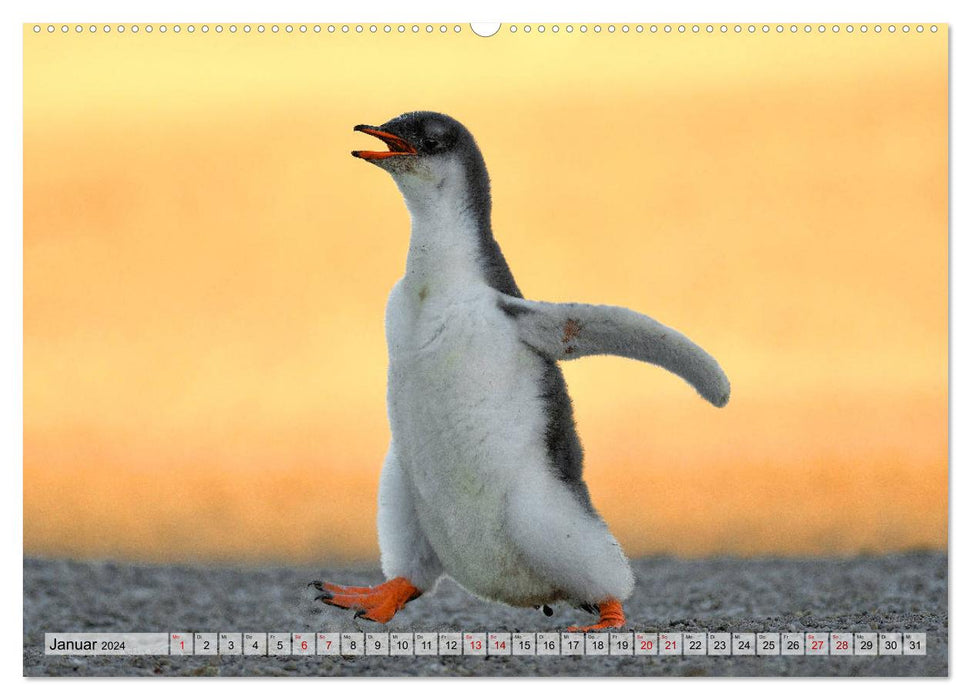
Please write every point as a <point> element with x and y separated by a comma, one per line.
<point>483,478</point>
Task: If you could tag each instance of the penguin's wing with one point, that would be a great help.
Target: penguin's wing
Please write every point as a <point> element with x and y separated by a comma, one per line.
<point>569,331</point>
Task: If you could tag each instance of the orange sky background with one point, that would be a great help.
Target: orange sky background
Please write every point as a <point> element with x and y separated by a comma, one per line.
<point>206,267</point>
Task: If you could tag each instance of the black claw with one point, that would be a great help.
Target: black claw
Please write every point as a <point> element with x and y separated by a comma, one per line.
<point>319,585</point>
<point>325,596</point>
<point>359,613</point>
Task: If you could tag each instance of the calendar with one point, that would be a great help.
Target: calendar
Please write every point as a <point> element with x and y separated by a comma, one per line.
<point>348,644</point>
<point>630,336</point>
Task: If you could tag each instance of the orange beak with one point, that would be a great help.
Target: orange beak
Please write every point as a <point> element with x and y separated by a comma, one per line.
<point>397,146</point>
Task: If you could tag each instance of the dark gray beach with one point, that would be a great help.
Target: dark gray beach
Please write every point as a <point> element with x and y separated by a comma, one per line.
<point>903,592</point>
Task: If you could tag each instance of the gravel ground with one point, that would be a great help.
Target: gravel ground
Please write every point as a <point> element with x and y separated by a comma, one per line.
<point>905,592</point>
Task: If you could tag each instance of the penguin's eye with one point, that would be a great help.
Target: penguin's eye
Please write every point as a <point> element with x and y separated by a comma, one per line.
<point>431,144</point>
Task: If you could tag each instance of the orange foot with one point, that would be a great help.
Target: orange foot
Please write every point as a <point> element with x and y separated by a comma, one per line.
<point>378,603</point>
<point>611,616</point>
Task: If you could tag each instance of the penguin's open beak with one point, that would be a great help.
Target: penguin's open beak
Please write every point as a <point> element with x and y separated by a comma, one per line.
<point>397,146</point>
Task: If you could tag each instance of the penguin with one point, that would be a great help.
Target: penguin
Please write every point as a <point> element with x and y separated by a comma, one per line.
<point>483,479</point>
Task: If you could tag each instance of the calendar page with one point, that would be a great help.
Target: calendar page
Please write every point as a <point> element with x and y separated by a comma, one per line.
<point>515,349</point>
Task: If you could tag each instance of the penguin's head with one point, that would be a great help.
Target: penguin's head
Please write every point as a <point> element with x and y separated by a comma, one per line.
<point>430,156</point>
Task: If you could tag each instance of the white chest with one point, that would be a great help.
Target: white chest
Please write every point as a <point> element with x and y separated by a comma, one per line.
<point>465,424</point>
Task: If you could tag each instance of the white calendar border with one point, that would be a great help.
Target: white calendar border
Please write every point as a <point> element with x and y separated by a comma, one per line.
<point>507,10</point>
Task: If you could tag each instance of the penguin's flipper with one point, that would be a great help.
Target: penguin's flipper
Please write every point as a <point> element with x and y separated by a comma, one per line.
<point>379,603</point>
<point>569,331</point>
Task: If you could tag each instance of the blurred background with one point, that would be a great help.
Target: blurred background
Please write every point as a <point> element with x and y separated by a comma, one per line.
<point>206,267</point>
